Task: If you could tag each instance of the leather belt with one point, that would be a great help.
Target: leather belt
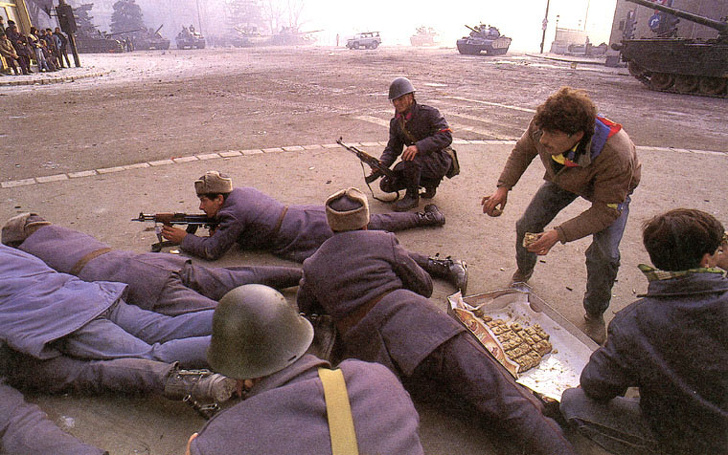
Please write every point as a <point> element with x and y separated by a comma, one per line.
<point>280,221</point>
<point>85,260</point>
<point>345,324</point>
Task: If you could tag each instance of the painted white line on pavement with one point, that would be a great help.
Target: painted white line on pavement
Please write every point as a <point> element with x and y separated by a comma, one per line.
<point>488,103</point>
<point>244,153</point>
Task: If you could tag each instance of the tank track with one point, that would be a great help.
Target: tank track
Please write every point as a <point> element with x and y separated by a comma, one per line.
<point>647,79</point>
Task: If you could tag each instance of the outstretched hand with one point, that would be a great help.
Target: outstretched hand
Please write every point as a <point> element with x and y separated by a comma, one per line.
<point>494,204</point>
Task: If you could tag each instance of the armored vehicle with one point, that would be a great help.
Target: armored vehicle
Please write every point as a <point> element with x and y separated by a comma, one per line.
<point>679,65</point>
<point>483,38</point>
<point>290,36</point>
<point>424,36</point>
<point>148,39</point>
<point>366,40</point>
<point>98,43</point>
<point>188,38</point>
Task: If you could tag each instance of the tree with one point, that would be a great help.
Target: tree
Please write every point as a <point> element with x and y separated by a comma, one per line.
<point>84,21</point>
<point>127,17</point>
<point>244,14</point>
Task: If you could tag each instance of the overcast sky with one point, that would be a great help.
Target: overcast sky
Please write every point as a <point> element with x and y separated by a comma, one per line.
<point>397,20</point>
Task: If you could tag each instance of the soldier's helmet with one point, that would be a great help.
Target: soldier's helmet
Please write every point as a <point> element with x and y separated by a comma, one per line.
<point>400,87</point>
<point>255,332</point>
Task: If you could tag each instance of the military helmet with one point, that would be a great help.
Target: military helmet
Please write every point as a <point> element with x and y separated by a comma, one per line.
<point>255,332</point>
<point>399,87</point>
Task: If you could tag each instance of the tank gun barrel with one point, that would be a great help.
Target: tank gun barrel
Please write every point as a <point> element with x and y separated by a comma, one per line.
<point>124,32</point>
<point>471,28</point>
<point>157,30</point>
<point>721,26</point>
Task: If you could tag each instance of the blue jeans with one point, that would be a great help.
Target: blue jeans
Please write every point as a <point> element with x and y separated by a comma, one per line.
<point>617,425</point>
<point>602,256</point>
<point>129,331</point>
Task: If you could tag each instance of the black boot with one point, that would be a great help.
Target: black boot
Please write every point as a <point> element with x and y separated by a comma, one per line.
<point>453,270</point>
<point>410,201</point>
<point>429,192</point>
<point>431,216</point>
<point>202,385</point>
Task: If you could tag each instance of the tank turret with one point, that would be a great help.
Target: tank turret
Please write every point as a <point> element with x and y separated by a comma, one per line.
<point>680,65</point>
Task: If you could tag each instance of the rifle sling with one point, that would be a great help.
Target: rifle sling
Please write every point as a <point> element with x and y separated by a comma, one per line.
<point>86,259</point>
<point>277,229</point>
<point>338,411</point>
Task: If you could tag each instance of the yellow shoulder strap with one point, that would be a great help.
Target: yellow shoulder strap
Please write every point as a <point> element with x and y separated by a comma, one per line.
<point>338,408</point>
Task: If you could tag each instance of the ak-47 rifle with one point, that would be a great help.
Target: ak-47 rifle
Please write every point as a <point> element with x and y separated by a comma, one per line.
<point>193,222</point>
<point>378,169</point>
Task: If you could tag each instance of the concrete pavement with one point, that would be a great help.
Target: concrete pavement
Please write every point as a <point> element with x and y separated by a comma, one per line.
<point>102,202</point>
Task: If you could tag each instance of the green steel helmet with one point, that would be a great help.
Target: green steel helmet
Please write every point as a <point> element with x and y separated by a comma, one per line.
<point>255,332</point>
<point>399,87</point>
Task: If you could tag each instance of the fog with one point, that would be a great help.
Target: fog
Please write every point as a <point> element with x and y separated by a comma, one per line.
<point>397,21</point>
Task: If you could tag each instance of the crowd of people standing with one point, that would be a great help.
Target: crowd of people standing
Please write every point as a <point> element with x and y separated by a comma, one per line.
<point>46,49</point>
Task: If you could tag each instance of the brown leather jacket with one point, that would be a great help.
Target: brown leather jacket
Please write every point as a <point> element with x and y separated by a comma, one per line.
<point>605,181</point>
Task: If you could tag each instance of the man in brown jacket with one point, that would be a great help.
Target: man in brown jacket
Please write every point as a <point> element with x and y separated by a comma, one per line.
<point>584,155</point>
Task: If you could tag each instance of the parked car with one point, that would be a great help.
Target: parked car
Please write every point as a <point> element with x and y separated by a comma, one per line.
<point>366,40</point>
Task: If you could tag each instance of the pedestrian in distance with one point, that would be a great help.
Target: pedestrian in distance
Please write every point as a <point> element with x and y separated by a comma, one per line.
<point>294,402</point>
<point>585,155</point>
<point>378,298</point>
<point>421,136</point>
<point>672,345</point>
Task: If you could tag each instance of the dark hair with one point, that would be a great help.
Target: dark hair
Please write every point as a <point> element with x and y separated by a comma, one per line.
<point>569,111</point>
<point>214,195</point>
<point>678,239</point>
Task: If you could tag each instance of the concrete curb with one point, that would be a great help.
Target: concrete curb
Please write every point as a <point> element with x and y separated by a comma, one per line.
<point>36,80</point>
<point>287,148</point>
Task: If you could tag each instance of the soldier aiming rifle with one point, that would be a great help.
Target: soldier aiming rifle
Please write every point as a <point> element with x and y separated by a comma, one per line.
<point>193,222</point>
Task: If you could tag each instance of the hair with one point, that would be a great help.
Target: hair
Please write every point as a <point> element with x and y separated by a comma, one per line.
<point>214,195</point>
<point>678,239</point>
<point>569,111</point>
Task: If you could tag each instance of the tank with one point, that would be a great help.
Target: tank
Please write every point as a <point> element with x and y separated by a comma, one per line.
<point>483,38</point>
<point>290,36</point>
<point>424,36</point>
<point>99,43</point>
<point>668,63</point>
<point>148,39</point>
<point>188,38</point>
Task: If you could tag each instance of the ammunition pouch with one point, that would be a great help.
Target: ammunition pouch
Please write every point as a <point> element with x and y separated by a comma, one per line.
<point>455,166</point>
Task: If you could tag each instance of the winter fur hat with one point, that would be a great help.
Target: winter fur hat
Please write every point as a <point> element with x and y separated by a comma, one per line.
<point>213,182</point>
<point>19,228</point>
<point>347,210</point>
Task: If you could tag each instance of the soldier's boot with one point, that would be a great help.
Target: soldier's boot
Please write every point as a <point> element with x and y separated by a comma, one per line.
<point>410,200</point>
<point>431,216</point>
<point>201,385</point>
<point>453,270</point>
<point>430,186</point>
<point>429,192</point>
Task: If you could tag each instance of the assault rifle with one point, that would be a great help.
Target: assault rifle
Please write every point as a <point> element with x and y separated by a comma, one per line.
<point>378,169</point>
<point>193,222</point>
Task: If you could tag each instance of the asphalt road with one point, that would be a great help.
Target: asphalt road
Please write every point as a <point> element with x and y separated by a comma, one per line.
<point>94,152</point>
